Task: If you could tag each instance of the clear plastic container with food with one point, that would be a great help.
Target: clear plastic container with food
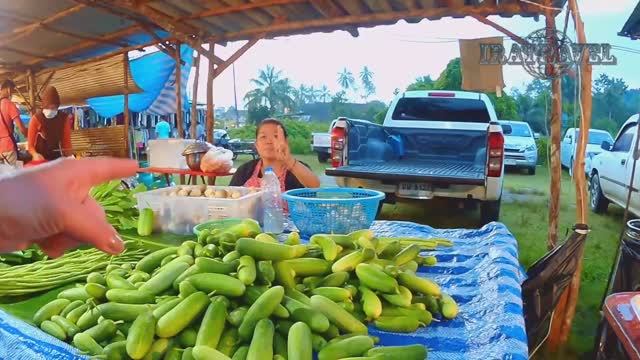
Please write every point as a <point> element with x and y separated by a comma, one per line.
<point>178,209</point>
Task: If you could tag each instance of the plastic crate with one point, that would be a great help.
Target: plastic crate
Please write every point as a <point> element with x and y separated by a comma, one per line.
<point>180,214</point>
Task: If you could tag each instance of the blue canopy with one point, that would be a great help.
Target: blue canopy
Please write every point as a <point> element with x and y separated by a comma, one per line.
<point>155,75</point>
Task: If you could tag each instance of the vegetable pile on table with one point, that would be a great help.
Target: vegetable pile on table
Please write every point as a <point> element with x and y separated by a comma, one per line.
<point>118,203</point>
<point>238,293</point>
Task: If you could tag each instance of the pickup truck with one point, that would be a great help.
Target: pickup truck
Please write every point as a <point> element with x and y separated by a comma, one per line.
<point>568,147</point>
<point>611,170</point>
<point>432,144</point>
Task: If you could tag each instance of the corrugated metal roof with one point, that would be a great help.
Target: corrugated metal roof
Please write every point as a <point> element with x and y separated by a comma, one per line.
<point>93,27</point>
<point>631,28</point>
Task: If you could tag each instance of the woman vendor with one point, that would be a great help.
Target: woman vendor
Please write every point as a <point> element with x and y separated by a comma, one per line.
<point>49,130</point>
<point>273,150</point>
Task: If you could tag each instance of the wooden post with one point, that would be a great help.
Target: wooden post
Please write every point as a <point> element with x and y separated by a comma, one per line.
<point>566,308</point>
<point>194,97</point>
<point>31,77</point>
<point>178,84</point>
<point>556,124</point>
<point>210,115</point>
<point>125,66</point>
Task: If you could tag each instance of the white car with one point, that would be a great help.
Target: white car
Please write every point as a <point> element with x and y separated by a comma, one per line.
<point>520,149</point>
<point>594,147</point>
<point>611,171</point>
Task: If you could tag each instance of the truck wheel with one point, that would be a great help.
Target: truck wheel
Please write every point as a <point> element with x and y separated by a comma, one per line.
<point>489,211</point>
<point>323,157</point>
<point>599,203</point>
<point>531,170</point>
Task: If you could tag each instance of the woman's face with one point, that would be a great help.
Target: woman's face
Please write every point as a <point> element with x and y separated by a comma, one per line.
<point>269,137</point>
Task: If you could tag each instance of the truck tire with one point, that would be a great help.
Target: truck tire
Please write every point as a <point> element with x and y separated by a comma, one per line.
<point>323,157</point>
<point>489,211</point>
<point>598,202</point>
<point>531,170</point>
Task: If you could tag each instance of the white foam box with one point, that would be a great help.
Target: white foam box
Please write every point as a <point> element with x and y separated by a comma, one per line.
<point>180,214</point>
<point>167,153</point>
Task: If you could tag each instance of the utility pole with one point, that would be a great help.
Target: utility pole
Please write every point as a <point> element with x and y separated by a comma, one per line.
<point>235,96</point>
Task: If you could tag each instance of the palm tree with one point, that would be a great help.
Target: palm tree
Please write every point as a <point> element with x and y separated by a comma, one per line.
<point>313,94</point>
<point>324,93</point>
<point>366,76</point>
<point>346,79</point>
<point>271,90</point>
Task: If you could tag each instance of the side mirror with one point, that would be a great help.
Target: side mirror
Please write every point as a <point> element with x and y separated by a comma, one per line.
<point>536,136</point>
<point>506,129</point>
<point>606,146</point>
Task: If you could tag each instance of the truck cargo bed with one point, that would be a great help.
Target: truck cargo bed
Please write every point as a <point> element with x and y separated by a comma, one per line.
<point>431,171</point>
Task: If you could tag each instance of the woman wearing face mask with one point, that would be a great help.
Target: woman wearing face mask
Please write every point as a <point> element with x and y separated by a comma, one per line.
<point>49,130</point>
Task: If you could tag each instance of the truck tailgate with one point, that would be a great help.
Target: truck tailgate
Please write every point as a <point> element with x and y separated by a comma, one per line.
<point>433,171</point>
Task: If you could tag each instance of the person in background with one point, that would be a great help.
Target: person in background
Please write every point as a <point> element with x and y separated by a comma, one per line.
<point>273,149</point>
<point>49,205</point>
<point>9,115</point>
<point>50,129</point>
<point>163,130</point>
<point>200,132</point>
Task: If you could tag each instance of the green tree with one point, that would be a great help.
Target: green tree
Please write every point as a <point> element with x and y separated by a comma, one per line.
<point>272,90</point>
<point>366,76</point>
<point>451,77</point>
<point>422,83</point>
<point>609,97</point>
<point>324,94</point>
<point>255,114</point>
<point>346,79</point>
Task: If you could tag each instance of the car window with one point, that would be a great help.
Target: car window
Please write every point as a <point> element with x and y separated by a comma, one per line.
<point>441,109</point>
<point>519,130</point>
<point>623,142</point>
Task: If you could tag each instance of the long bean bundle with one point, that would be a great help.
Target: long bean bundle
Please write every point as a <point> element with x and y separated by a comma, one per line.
<point>49,274</point>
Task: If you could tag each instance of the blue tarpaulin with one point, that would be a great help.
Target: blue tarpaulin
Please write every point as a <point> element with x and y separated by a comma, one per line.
<point>155,75</point>
<point>480,272</point>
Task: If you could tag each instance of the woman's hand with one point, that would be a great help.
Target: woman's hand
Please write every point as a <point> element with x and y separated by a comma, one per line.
<point>37,157</point>
<point>282,150</point>
<point>50,205</point>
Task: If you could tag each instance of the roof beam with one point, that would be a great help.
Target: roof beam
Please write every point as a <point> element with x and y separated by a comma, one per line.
<point>179,29</point>
<point>235,56</point>
<point>30,54</point>
<point>327,8</point>
<point>287,27</point>
<point>25,30</point>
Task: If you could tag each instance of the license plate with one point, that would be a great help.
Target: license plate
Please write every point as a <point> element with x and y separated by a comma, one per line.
<point>509,161</point>
<point>415,190</point>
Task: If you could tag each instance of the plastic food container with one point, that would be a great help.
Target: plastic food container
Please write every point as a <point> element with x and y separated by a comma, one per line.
<point>180,214</point>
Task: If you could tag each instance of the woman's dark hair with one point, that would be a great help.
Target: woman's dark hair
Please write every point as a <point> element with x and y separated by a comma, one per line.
<point>271,121</point>
<point>7,84</point>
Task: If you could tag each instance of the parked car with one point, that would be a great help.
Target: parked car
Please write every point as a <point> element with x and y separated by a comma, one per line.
<point>432,144</point>
<point>611,171</point>
<point>520,149</point>
<point>568,147</point>
<point>321,142</point>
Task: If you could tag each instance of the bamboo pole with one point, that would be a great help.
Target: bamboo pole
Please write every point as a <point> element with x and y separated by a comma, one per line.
<point>194,97</point>
<point>178,84</point>
<point>210,115</point>
<point>556,114</point>
<point>125,66</point>
<point>33,92</point>
<point>566,308</point>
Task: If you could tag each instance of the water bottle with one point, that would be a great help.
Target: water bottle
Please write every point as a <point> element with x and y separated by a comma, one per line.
<point>272,203</point>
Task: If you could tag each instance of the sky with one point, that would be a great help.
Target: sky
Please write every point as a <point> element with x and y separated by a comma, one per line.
<point>398,54</point>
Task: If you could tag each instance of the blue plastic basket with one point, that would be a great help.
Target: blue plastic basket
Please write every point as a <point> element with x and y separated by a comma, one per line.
<point>332,210</point>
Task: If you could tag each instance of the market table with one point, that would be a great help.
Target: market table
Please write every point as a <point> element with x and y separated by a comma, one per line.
<point>625,324</point>
<point>480,271</point>
<point>193,174</point>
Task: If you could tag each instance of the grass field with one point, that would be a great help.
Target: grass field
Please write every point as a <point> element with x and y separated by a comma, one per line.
<point>525,212</point>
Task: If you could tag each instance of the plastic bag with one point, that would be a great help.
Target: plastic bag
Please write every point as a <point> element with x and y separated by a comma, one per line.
<point>217,159</point>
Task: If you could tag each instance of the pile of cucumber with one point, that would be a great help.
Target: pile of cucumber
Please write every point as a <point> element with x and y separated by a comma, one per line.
<point>237,293</point>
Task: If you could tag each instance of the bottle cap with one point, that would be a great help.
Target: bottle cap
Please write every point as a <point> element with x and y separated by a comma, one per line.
<point>268,169</point>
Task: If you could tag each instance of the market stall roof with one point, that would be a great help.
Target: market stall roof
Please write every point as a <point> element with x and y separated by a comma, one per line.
<point>631,28</point>
<point>45,34</point>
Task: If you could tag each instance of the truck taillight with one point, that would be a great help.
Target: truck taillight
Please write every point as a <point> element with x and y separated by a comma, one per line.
<point>337,146</point>
<point>496,154</point>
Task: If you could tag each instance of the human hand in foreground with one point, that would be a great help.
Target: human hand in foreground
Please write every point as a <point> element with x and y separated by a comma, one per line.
<point>283,152</point>
<point>50,205</point>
